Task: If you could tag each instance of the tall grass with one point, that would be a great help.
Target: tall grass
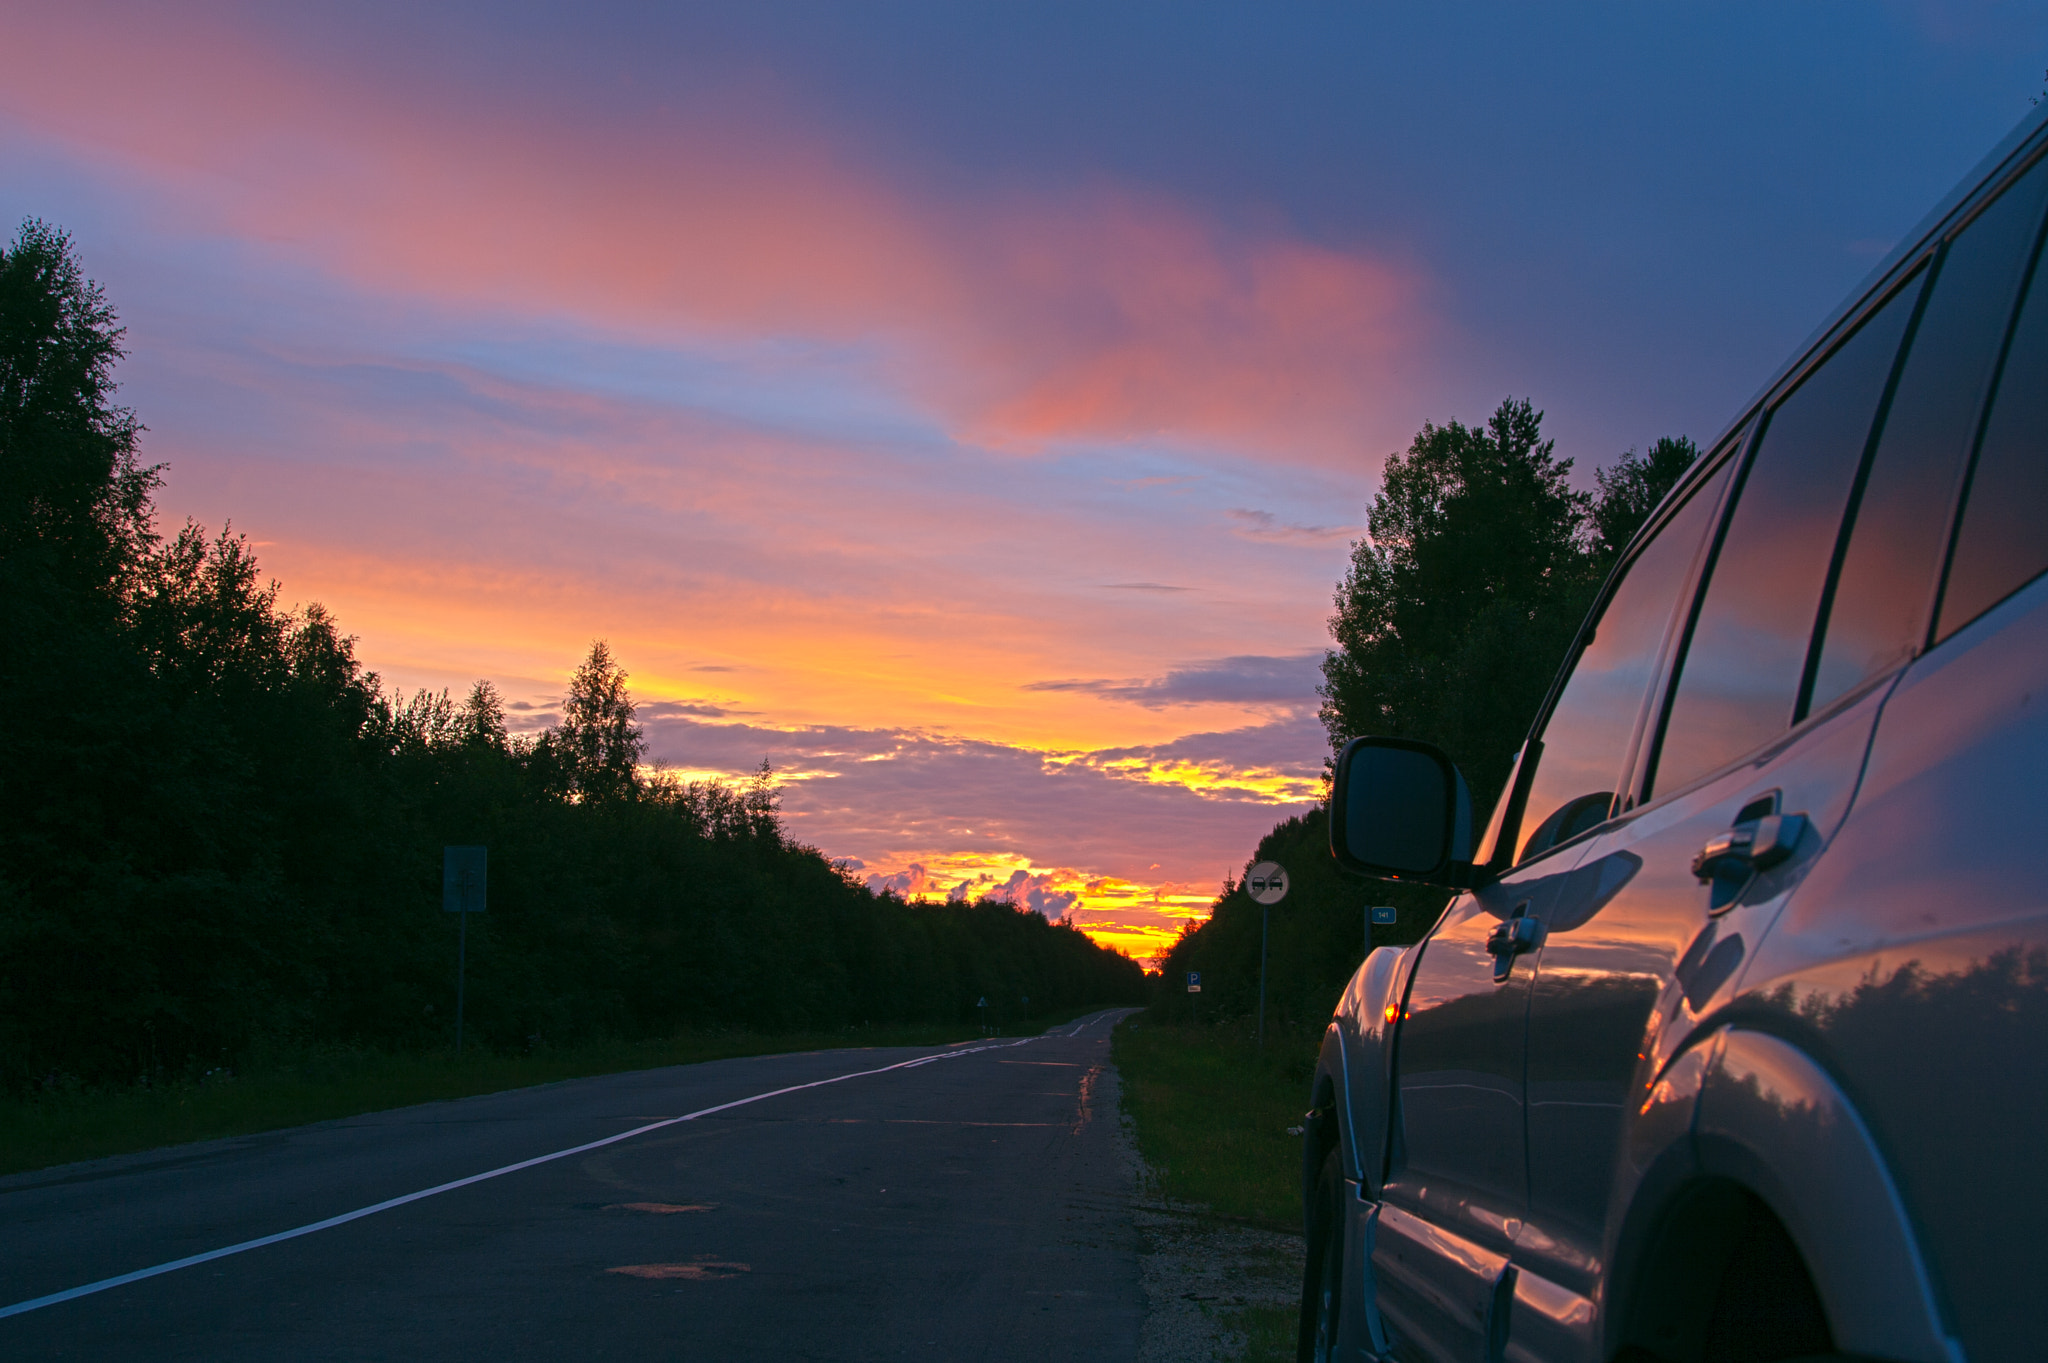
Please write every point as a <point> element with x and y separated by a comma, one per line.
<point>1212,1113</point>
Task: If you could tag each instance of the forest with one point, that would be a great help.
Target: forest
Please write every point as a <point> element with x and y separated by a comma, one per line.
<point>1479,563</point>
<point>223,834</point>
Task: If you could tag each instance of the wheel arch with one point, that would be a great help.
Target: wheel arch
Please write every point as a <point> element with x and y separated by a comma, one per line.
<point>1771,1127</point>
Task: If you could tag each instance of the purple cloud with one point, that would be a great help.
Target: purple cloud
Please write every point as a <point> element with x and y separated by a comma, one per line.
<point>1247,679</point>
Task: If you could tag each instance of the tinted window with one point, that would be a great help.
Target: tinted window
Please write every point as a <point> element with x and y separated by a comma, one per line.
<point>2002,543</point>
<point>1747,655</point>
<point>1585,741</point>
<point>1893,555</point>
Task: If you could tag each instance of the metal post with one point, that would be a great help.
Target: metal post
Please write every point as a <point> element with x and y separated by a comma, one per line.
<point>1265,921</point>
<point>461,969</point>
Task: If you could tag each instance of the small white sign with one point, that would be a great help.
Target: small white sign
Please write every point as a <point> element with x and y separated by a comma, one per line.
<point>1266,883</point>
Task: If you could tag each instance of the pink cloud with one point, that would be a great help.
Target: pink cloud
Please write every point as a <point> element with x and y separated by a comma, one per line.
<point>1099,313</point>
<point>1038,893</point>
<point>912,882</point>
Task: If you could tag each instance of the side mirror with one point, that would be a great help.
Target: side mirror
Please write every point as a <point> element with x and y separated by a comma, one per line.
<point>1399,810</point>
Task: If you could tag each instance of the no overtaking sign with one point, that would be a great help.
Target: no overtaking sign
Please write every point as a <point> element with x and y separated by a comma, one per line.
<point>1266,883</point>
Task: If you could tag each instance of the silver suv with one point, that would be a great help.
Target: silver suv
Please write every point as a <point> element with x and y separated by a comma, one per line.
<point>1732,1043</point>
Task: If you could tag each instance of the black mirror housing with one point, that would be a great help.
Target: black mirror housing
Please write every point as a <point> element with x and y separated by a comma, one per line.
<point>1400,810</point>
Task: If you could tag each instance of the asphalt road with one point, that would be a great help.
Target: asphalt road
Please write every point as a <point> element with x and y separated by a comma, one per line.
<point>971,1207</point>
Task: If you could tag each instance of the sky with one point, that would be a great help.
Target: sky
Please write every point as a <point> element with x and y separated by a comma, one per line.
<point>967,408</point>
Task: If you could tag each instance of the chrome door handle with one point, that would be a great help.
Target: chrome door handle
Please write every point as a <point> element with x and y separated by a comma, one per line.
<point>1513,937</point>
<point>1749,847</point>
<point>1731,860</point>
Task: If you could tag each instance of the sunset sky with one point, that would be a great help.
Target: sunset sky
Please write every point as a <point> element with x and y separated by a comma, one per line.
<point>967,408</point>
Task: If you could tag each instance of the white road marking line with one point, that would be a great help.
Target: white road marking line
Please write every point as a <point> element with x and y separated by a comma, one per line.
<point>122,1280</point>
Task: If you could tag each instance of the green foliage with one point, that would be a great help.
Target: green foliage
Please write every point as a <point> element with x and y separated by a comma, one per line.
<point>223,836</point>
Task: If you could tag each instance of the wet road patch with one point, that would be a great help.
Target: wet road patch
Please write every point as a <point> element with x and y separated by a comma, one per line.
<point>697,1271</point>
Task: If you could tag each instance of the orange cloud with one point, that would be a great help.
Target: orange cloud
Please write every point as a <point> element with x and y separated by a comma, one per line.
<point>494,528</point>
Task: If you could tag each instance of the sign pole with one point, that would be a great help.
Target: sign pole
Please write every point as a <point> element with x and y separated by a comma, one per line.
<point>1265,922</point>
<point>461,973</point>
<point>1266,883</point>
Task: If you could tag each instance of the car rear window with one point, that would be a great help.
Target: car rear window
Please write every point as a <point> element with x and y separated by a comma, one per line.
<point>1746,659</point>
<point>1879,610</point>
<point>2002,543</point>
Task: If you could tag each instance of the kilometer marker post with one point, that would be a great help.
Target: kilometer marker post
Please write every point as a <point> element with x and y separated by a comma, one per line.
<point>1378,913</point>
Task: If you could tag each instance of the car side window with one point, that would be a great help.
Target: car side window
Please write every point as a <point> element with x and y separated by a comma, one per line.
<point>2002,542</point>
<point>1585,739</point>
<point>1893,556</point>
<point>1745,659</point>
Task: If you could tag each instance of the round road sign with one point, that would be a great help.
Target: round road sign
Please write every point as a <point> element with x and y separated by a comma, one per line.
<point>1266,883</point>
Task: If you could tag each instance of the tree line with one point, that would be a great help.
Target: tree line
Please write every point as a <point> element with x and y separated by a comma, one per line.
<point>222,833</point>
<point>1477,567</point>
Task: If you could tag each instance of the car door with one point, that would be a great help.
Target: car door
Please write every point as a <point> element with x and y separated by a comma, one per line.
<point>1457,1192</point>
<point>1766,722</point>
<point>1456,1189</point>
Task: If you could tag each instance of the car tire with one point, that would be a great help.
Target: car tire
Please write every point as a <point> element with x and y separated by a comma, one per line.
<point>1322,1279</point>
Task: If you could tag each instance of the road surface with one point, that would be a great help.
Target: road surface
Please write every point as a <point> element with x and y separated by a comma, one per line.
<point>971,1206</point>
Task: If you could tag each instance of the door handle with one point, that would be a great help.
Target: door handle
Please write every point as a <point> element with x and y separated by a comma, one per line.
<point>1510,939</point>
<point>1732,859</point>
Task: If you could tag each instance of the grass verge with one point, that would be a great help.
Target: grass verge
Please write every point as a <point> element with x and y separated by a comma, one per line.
<point>318,1085</point>
<point>1211,1113</point>
<point>1269,1333</point>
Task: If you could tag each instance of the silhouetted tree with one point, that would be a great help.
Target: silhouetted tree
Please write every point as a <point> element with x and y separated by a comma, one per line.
<point>1454,609</point>
<point>481,721</point>
<point>74,500</point>
<point>1478,565</point>
<point>1477,568</point>
<point>601,744</point>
